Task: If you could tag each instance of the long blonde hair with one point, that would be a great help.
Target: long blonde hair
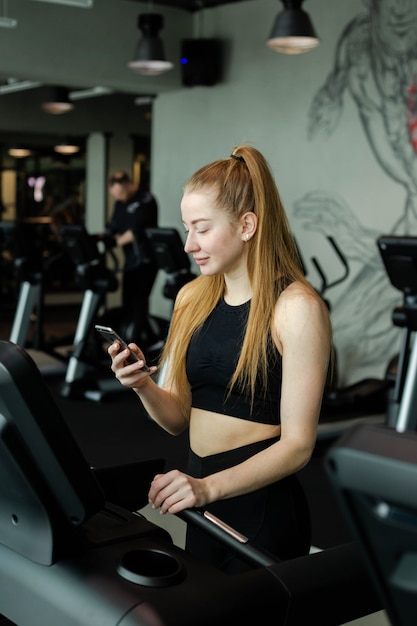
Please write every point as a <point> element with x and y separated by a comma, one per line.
<point>243,183</point>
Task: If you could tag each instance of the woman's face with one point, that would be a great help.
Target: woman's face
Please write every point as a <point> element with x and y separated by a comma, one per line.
<point>217,245</point>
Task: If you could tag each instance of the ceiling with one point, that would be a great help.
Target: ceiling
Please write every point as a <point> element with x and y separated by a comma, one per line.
<point>190,5</point>
<point>122,90</point>
<point>81,68</point>
<point>13,68</point>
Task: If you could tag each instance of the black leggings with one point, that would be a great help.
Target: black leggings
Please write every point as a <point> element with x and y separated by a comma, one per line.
<point>276,517</point>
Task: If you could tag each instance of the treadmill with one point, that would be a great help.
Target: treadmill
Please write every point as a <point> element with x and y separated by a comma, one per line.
<point>74,551</point>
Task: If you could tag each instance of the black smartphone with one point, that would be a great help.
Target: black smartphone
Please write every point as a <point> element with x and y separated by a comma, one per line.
<point>110,336</point>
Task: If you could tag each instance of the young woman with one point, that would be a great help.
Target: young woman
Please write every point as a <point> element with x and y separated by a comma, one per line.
<point>245,365</point>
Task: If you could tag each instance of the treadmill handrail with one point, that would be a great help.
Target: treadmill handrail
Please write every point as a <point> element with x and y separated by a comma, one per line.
<point>234,540</point>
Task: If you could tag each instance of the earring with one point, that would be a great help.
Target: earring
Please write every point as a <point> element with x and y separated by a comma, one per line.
<point>247,237</point>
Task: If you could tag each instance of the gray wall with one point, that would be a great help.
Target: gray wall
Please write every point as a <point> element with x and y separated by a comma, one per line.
<point>332,183</point>
<point>347,181</point>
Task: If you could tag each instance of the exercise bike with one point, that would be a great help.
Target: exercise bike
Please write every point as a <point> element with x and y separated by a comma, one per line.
<point>399,255</point>
<point>97,279</point>
<point>341,404</point>
<point>31,263</point>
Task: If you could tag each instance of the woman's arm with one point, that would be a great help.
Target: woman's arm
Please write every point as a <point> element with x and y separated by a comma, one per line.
<point>303,334</point>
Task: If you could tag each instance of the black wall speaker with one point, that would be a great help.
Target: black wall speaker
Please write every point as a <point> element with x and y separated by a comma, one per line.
<point>200,62</point>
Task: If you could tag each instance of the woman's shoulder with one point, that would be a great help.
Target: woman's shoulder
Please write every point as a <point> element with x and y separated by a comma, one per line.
<point>300,311</point>
<point>300,297</point>
<point>296,288</point>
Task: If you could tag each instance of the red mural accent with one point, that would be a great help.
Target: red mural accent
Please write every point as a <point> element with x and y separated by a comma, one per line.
<point>412,114</point>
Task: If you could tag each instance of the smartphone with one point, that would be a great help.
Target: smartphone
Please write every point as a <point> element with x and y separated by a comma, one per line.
<point>110,335</point>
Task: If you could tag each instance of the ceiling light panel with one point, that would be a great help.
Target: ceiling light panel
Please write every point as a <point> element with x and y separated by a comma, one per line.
<point>8,22</point>
<point>18,85</point>
<point>82,4</point>
<point>89,93</point>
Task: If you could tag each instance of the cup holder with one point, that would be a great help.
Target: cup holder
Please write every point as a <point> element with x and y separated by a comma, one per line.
<point>151,567</point>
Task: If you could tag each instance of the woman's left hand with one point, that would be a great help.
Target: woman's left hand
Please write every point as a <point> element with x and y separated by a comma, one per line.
<point>174,491</point>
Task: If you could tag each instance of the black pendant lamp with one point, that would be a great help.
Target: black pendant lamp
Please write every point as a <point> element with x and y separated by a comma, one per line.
<point>56,101</point>
<point>293,31</point>
<point>149,58</point>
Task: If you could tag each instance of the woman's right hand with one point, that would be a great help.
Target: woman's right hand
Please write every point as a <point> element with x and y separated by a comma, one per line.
<point>161,405</point>
<point>129,374</point>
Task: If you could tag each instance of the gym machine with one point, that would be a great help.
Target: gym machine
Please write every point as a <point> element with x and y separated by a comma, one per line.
<point>373,468</point>
<point>74,554</point>
<point>16,240</point>
<point>399,255</point>
<point>364,398</point>
<point>169,255</point>
<point>19,241</point>
<point>96,279</point>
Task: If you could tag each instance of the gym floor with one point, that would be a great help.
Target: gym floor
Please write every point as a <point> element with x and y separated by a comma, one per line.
<point>108,437</point>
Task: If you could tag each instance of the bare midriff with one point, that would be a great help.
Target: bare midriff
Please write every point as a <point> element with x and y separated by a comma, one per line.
<point>211,433</point>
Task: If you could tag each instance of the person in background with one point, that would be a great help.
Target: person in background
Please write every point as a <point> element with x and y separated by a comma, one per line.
<point>244,366</point>
<point>135,209</point>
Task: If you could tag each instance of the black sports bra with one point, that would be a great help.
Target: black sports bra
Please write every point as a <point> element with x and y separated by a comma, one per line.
<point>211,360</point>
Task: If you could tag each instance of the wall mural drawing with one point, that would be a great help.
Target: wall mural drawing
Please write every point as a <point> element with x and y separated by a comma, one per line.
<point>375,64</point>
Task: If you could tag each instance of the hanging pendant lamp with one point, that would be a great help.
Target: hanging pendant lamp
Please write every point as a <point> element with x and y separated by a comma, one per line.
<point>293,31</point>
<point>149,58</point>
<point>66,147</point>
<point>57,101</point>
